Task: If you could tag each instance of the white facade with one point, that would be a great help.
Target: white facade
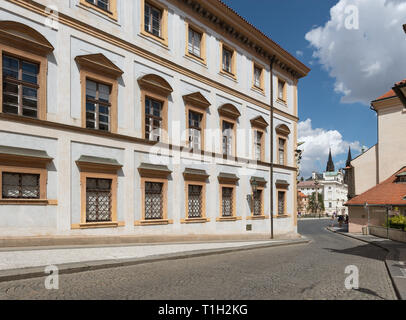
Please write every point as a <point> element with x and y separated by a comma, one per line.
<point>81,31</point>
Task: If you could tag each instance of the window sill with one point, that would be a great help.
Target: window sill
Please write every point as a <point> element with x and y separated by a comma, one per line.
<point>224,219</point>
<point>282,216</point>
<point>229,75</point>
<point>158,40</point>
<point>258,90</point>
<point>91,225</point>
<point>153,222</point>
<point>197,59</point>
<point>195,220</point>
<point>283,102</point>
<point>262,217</point>
<point>100,12</point>
<point>37,202</point>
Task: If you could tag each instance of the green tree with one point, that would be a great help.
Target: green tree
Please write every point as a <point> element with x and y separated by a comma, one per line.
<point>314,206</point>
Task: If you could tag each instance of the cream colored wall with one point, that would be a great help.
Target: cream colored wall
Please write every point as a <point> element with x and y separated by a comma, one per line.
<point>365,175</point>
<point>392,140</point>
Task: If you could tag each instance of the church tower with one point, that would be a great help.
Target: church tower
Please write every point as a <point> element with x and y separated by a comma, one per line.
<point>330,163</point>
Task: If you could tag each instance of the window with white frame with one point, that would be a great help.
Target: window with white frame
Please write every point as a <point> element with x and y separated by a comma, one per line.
<point>281,90</point>
<point>228,130</point>
<point>257,77</point>
<point>258,144</point>
<point>281,149</point>
<point>97,105</point>
<point>194,42</point>
<point>153,119</point>
<point>195,129</point>
<point>153,20</point>
<point>227,60</point>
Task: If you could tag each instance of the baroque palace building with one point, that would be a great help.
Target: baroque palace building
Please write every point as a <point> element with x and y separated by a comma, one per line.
<point>144,117</point>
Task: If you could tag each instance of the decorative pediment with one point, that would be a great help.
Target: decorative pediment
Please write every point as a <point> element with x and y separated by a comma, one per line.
<point>195,174</point>
<point>197,100</point>
<point>149,170</point>
<point>155,83</point>
<point>98,164</point>
<point>259,122</point>
<point>22,36</point>
<point>230,111</point>
<point>282,129</point>
<point>99,63</point>
<point>229,178</point>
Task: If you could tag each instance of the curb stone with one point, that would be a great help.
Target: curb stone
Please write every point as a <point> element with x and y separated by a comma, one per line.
<point>75,267</point>
<point>391,265</point>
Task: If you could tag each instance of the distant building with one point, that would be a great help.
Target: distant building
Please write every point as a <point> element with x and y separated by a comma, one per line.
<point>375,176</point>
<point>302,203</point>
<point>331,184</point>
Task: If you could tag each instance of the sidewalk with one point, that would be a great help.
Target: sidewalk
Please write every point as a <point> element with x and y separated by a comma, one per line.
<point>395,260</point>
<point>30,262</point>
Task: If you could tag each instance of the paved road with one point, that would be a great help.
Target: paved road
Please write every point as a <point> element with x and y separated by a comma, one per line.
<point>312,271</point>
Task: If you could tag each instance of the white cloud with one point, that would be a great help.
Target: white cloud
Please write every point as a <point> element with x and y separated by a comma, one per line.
<point>299,53</point>
<point>365,62</point>
<point>317,144</point>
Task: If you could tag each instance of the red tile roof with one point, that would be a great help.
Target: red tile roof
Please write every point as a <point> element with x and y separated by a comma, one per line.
<point>387,192</point>
<point>301,194</point>
<point>391,93</point>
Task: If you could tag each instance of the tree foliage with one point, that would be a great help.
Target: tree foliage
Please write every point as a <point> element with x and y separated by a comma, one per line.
<point>316,206</point>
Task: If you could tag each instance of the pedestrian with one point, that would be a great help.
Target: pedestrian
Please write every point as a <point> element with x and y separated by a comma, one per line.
<point>332,220</point>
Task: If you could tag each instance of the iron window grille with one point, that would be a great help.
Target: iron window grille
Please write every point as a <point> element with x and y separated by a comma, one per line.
<point>97,106</point>
<point>153,200</point>
<point>258,203</point>
<point>281,203</point>
<point>194,45</point>
<point>98,200</point>
<point>101,4</point>
<point>153,18</point>
<point>20,185</point>
<point>194,201</point>
<point>153,119</point>
<point>20,87</point>
<point>195,129</point>
<point>227,202</point>
<point>227,60</point>
<point>227,137</point>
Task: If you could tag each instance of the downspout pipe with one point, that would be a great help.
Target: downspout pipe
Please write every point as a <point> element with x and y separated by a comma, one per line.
<point>271,150</point>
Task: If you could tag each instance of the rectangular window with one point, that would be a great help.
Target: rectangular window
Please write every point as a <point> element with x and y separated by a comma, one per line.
<point>98,200</point>
<point>153,119</point>
<point>281,90</point>
<point>258,145</point>
<point>227,60</point>
<point>281,202</point>
<point>20,87</point>
<point>195,202</point>
<point>102,4</point>
<point>97,106</point>
<point>195,130</point>
<point>153,20</point>
<point>257,77</point>
<point>194,42</point>
<point>227,201</point>
<point>154,200</point>
<point>257,203</point>
<point>281,149</point>
<point>20,186</point>
<point>227,137</point>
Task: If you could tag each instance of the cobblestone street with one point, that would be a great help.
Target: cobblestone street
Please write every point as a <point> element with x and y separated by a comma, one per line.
<point>313,271</point>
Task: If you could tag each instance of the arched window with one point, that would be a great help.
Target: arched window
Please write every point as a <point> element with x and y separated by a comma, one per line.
<point>154,96</point>
<point>24,65</point>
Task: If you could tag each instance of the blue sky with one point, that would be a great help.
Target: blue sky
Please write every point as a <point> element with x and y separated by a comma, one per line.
<point>287,23</point>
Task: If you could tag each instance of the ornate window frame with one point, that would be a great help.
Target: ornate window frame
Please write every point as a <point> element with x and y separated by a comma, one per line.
<point>261,184</point>
<point>99,170</point>
<point>282,186</point>
<point>157,88</point>
<point>151,173</point>
<point>164,21</point>
<point>282,132</point>
<point>30,164</point>
<point>229,113</point>
<point>23,42</point>
<point>199,178</point>
<point>228,181</point>
<point>111,13</point>
<point>98,68</point>
<point>259,124</point>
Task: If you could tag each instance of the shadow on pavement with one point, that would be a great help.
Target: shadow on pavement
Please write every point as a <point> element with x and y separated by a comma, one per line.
<point>370,292</point>
<point>366,251</point>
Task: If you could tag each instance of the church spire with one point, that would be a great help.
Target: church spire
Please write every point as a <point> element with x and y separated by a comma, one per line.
<point>349,158</point>
<point>330,163</point>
